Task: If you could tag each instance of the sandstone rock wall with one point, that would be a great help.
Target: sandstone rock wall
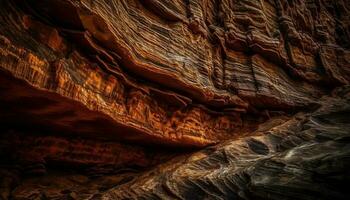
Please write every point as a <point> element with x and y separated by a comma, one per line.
<point>180,72</point>
<point>111,84</point>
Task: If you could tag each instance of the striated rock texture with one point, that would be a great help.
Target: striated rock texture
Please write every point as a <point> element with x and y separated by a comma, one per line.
<point>305,156</point>
<point>109,99</point>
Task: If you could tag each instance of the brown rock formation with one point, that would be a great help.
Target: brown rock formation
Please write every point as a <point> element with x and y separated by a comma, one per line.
<point>114,87</point>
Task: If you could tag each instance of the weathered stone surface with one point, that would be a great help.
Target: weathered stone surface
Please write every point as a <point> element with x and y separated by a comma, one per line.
<point>112,88</point>
<point>131,104</point>
<point>216,54</point>
<point>305,156</point>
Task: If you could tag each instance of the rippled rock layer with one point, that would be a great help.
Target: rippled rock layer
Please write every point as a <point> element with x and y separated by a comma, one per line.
<point>112,99</point>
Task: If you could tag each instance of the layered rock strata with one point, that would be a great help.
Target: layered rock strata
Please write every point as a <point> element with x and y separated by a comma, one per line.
<point>133,63</point>
<point>107,85</point>
<point>305,156</point>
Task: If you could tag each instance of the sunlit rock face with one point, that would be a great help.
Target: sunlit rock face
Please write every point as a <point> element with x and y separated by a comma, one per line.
<point>113,99</point>
<point>305,156</point>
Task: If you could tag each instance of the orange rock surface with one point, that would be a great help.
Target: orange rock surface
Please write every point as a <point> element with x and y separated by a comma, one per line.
<point>110,84</point>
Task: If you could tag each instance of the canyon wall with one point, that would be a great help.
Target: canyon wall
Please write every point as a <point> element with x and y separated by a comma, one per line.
<point>127,90</point>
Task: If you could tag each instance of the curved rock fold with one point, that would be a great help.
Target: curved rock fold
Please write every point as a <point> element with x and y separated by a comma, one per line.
<point>183,99</point>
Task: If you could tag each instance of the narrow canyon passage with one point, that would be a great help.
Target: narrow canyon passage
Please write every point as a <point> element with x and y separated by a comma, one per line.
<point>183,99</point>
